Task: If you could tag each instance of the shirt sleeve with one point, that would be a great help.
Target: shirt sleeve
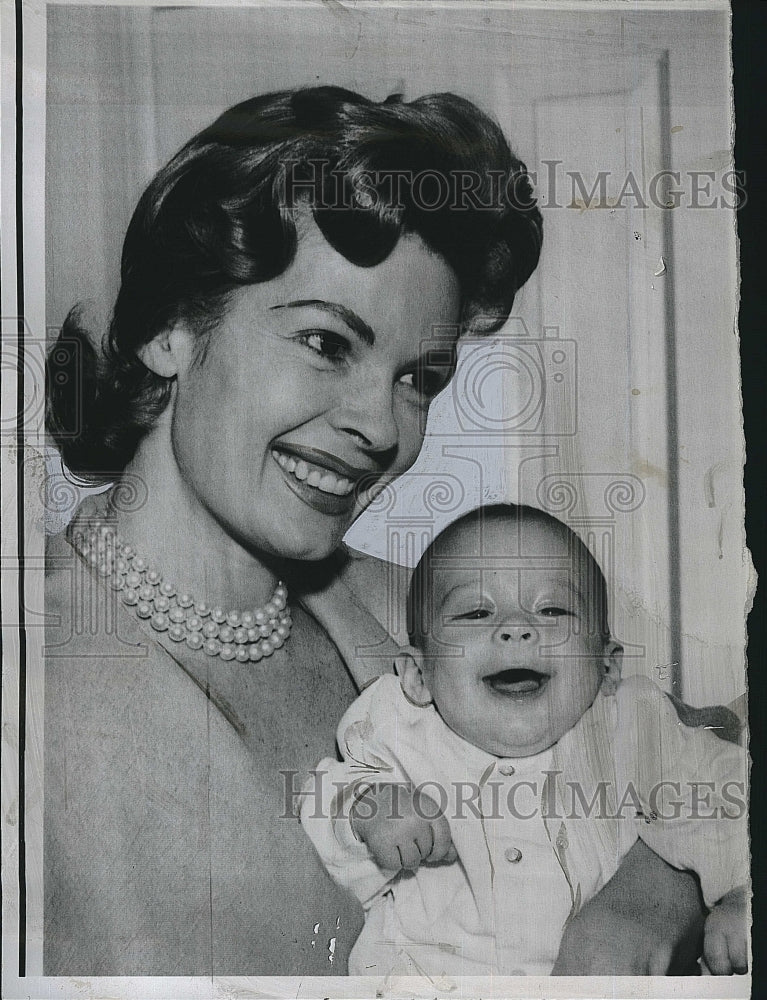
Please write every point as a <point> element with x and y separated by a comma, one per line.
<point>691,791</point>
<point>366,735</point>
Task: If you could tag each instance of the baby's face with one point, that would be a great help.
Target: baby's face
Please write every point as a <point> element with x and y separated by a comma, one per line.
<point>514,656</point>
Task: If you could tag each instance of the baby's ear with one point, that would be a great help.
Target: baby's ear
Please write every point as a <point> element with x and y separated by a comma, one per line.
<point>612,663</point>
<point>409,668</point>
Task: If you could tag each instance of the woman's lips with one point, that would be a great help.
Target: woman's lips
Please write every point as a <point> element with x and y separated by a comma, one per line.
<point>517,682</point>
<point>320,478</point>
<point>325,489</point>
<point>325,461</point>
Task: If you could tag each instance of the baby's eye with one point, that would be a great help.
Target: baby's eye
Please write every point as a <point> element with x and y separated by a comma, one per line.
<point>553,611</point>
<point>325,343</point>
<point>475,615</point>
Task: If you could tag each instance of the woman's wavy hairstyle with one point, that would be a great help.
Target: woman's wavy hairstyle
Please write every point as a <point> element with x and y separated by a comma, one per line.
<point>221,215</point>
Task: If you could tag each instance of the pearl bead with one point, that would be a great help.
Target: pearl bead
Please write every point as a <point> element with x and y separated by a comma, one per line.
<point>265,630</point>
<point>130,596</point>
<point>202,609</point>
<point>241,635</point>
<point>270,609</point>
<point>153,577</point>
<point>144,609</point>
<point>117,582</point>
<point>242,655</point>
<point>133,579</point>
<point>226,633</point>
<point>177,615</point>
<point>194,640</point>
<point>278,602</point>
<point>185,601</point>
<point>139,564</point>
<point>254,653</point>
<point>104,569</point>
<point>212,647</point>
<point>253,635</point>
<point>227,652</point>
<point>260,617</point>
<point>282,631</point>
<point>194,624</point>
<point>176,632</point>
<point>161,603</point>
<point>277,641</point>
<point>146,593</point>
<point>281,590</point>
<point>248,620</point>
<point>159,622</point>
<point>167,589</point>
<point>233,618</point>
<point>210,630</point>
<point>218,615</point>
<point>128,551</point>
<point>121,565</point>
<point>267,647</point>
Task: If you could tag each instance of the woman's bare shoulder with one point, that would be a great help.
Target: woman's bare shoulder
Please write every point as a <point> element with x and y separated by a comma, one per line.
<point>380,586</point>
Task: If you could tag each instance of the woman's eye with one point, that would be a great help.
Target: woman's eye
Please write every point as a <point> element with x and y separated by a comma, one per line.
<point>553,612</point>
<point>427,382</point>
<point>331,346</point>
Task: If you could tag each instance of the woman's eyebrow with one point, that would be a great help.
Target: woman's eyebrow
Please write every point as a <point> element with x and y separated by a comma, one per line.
<point>346,315</point>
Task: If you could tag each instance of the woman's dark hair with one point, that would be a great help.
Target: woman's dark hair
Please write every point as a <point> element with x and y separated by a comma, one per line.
<point>221,215</point>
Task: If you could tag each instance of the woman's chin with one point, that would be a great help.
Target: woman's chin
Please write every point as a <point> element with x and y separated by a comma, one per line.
<point>307,545</point>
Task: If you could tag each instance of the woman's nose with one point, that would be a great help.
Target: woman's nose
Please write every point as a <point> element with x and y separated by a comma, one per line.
<point>367,414</point>
<point>516,633</point>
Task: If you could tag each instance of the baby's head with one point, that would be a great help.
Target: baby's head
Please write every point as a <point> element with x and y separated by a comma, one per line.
<point>507,616</point>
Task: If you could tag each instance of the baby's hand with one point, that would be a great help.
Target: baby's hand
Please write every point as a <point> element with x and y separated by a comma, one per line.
<point>402,828</point>
<point>725,936</point>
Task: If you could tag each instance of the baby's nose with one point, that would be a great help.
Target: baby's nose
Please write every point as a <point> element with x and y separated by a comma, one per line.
<point>517,633</point>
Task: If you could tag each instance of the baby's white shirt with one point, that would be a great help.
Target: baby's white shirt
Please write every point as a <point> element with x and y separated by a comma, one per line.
<point>529,855</point>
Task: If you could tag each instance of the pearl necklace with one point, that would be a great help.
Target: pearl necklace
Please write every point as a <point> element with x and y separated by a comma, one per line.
<point>246,636</point>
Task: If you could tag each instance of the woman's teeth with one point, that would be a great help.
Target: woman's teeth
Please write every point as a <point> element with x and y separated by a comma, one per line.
<point>321,479</point>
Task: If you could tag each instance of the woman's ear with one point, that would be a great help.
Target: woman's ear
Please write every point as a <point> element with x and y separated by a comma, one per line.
<point>409,668</point>
<point>168,352</point>
<point>612,663</point>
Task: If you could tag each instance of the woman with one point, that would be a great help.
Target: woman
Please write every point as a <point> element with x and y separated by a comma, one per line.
<point>265,372</point>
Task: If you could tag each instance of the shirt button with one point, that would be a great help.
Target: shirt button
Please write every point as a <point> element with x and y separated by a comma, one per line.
<point>512,854</point>
<point>506,769</point>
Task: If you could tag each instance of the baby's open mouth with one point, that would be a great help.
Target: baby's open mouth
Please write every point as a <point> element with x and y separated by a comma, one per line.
<point>517,681</point>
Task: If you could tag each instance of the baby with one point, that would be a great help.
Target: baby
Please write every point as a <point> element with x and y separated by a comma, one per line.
<point>495,785</point>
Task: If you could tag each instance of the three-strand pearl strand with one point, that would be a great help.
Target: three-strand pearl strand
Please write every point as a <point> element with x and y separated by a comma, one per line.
<point>245,636</point>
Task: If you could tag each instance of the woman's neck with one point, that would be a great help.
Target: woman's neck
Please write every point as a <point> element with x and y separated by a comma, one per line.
<point>181,538</point>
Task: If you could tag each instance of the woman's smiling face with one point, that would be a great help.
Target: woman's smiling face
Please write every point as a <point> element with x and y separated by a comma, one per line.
<point>313,382</point>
